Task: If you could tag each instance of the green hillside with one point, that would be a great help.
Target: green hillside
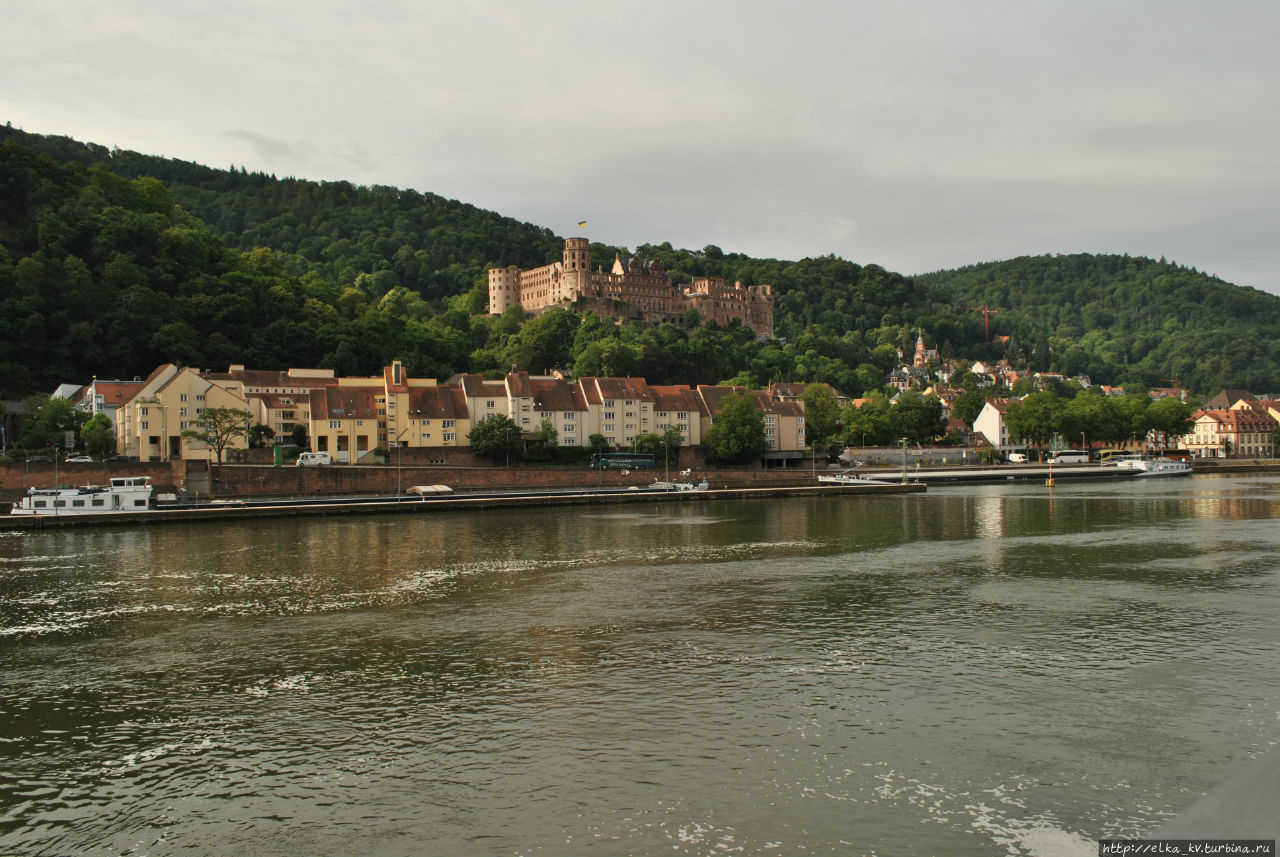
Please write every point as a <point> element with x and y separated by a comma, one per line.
<point>112,261</point>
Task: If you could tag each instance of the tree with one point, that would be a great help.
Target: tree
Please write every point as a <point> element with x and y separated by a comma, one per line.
<point>546,433</point>
<point>299,435</point>
<point>598,443</point>
<point>820,412</point>
<point>868,424</point>
<point>737,435</point>
<point>916,417</point>
<point>496,436</point>
<point>1169,418</point>
<point>1034,419</point>
<point>261,436</point>
<point>99,435</point>
<point>217,428</point>
<point>647,444</point>
<point>968,404</point>
<point>48,421</point>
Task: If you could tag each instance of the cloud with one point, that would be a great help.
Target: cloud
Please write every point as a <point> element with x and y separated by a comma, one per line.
<point>914,136</point>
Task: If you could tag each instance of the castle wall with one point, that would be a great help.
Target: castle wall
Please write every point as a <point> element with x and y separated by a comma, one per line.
<point>633,290</point>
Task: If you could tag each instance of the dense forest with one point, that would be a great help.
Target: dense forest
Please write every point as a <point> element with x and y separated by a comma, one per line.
<point>112,262</point>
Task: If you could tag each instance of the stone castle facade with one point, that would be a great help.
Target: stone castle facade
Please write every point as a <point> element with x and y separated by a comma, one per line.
<point>632,289</point>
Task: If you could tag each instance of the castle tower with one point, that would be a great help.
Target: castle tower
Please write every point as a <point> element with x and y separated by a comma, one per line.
<point>576,268</point>
<point>504,288</point>
<point>577,254</point>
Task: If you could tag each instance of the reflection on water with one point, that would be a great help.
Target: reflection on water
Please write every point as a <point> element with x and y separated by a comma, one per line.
<point>970,671</point>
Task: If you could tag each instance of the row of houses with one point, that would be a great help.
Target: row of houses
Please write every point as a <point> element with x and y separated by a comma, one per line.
<point>354,417</point>
<point>1232,424</point>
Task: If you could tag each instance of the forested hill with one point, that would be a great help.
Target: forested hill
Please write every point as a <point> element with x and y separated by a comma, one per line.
<point>113,261</point>
<point>1164,324</point>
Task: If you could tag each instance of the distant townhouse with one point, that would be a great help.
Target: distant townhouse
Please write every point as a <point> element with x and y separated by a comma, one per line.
<point>106,397</point>
<point>990,423</point>
<point>626,407</point>
<point>678,406</point>
<point>791,392</point>
<point>1224,433</point>
<point>150,424</point>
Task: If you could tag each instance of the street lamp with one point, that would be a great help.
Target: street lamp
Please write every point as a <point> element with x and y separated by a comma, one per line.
<point>904,460</point>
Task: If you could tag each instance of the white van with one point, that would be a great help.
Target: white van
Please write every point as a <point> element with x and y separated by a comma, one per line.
<point>314,459</point>
<point>1070,456</point>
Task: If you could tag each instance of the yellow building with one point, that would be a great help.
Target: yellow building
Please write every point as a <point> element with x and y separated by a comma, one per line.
<point>150,424</point>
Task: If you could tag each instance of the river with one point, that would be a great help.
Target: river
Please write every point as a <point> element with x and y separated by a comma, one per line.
<point>971,671</point>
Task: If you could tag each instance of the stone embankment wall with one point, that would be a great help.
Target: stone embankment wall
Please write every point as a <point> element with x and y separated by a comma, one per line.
<point>249,480</point>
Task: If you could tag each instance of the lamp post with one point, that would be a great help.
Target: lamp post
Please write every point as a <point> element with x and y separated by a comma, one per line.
<point>904,461</point>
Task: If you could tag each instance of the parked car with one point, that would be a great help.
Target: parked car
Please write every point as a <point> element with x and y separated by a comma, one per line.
<point>314,459</point>
<point>79,459</point>
<point>116,458</point>
<point>1017,458</point>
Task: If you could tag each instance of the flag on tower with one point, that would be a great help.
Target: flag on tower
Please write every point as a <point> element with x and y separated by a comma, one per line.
<point>582,223</point>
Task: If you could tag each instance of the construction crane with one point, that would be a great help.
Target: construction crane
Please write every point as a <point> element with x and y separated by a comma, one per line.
<point>987,312</point>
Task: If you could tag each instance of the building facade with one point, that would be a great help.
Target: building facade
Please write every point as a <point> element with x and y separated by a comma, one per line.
<point>631,289</point>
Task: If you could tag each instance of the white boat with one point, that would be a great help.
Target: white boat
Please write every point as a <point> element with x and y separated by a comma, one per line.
<point>1155,467</point>
<point>682,486</point>
<point>848,478</point>
<point>124,494</point>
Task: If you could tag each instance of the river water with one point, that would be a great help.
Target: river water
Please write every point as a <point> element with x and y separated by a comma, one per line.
<point>971,671</point>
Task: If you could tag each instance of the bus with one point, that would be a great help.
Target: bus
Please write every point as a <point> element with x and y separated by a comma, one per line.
<point>621,461</point>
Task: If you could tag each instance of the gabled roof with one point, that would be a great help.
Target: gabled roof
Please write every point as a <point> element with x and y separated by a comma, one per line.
<point>769,405</point>
<point>552,394</point>
<point>679,397</point>
<point>1227,398</point>
<point>344,403</point>
<point>518,385</point>
<point>625,388</point>
<point>712,396</point>
<point>476,387</point>
<point>442,402</point>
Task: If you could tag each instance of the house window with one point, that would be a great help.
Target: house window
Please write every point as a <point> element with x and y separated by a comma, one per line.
<point>608,427</point>
<point>184,425</point>
<point>143,425</point>
<point>489,404</point>
<point>182,412</point>
<point>447,423</point>
<point>609,415</point>
<point>335,424</point>
<point>568,428</point>
<point>608,403</point>
<point>569,441</point>
<point>568,415</point>
<point>199,397</point>
<point>146,412</point>
<point>682,415</point>
<point>449,437</point>
<point>182,397</point>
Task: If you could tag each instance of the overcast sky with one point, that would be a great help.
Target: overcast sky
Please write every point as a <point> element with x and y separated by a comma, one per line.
<point>913,135</point>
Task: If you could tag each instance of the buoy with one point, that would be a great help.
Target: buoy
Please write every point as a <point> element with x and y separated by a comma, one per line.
<point>1049,482</point>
